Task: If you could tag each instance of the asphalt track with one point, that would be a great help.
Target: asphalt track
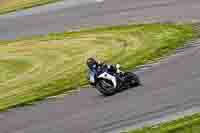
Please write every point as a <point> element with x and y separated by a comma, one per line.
<point>168,86</point>
<point>91,14</point>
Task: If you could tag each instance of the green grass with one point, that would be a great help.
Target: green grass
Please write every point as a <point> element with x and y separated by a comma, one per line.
<point>190,124</point>
<point>32,69</point>
<point>7,6</point>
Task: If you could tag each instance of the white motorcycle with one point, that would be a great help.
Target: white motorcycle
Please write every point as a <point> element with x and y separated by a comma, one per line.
<point>110,79</point>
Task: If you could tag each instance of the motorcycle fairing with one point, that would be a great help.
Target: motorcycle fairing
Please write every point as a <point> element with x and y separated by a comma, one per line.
<point>108,76</point>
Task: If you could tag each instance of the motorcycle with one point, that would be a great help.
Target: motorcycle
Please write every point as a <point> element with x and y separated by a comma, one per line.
<point>110,80</point>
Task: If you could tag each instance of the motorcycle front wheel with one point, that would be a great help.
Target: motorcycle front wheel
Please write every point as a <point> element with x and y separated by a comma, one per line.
<point>105,87</point>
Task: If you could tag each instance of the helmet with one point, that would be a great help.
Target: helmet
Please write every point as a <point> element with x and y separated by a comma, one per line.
<point>91,62</point>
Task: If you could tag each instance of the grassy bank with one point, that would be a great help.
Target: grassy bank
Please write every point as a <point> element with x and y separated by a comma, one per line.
<point>189,124</point>
<point>7,6</point>
<point>31,69</point>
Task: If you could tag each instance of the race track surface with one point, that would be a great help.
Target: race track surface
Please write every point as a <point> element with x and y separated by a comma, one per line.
<point>92,14</point>
<point>169,86</point>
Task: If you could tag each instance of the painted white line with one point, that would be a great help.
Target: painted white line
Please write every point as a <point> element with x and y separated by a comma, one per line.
<point>99,1</point>
<point>160,120</point>
<point>49,8</point>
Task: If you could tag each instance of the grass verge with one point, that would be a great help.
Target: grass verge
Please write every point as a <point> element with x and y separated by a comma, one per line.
<point>189,124</point>
<point>7,6</point>
<point>32,69</point>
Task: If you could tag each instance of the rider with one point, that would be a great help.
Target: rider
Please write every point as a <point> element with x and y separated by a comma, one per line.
<point>93,64</point>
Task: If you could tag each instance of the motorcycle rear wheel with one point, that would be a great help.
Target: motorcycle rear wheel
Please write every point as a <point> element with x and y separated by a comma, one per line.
<point>133,78</point>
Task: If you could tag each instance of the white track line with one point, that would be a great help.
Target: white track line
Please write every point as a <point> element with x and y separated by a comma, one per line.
<point>49,8</point>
